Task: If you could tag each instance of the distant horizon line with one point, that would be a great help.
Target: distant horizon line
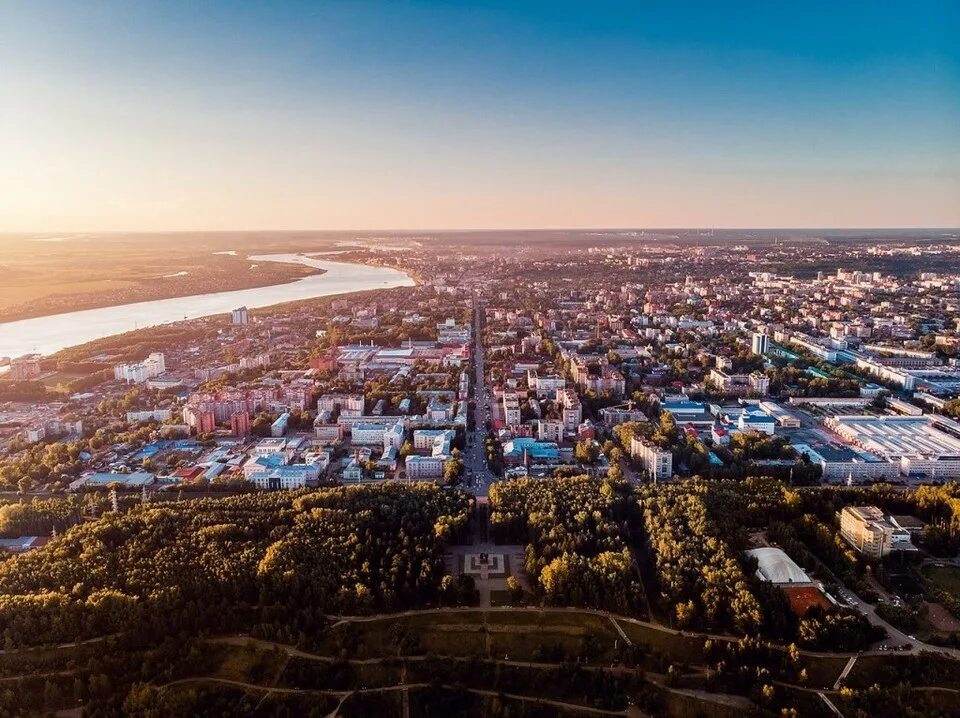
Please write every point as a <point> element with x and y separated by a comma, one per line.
<point>847,228</point>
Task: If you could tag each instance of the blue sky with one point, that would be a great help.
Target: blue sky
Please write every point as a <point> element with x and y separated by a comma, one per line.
<point>217,115</point>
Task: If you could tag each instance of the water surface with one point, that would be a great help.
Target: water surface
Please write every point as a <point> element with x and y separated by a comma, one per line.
<point>46,335</point>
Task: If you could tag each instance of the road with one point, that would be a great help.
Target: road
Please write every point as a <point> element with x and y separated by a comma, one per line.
<point>629,473</point>
<point>896,639</point>
<point>477,476</point>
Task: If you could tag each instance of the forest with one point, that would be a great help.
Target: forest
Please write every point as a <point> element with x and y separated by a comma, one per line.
<point>700,579</point>
<point>213,564</point>
<point>575,531</point>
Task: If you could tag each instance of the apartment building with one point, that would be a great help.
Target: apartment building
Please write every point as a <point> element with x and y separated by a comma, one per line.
<point>656,461</point>
<point>138,373</point>
<point>545,386</point>
<point>871,533</point>
<point>760,343</point>
<point>511,409</point>
<point>601,378</point>
<point>550,431</point>
<point>424,467</point>
<point>739,384</point>
<point>449,332</point>
<point>348,404</point>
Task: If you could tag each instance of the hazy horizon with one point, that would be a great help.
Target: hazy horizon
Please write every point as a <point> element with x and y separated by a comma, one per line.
<point>45,235</point>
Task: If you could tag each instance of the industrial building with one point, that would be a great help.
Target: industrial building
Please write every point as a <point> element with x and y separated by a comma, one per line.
<point>922,446</point>
<point>840,463</point>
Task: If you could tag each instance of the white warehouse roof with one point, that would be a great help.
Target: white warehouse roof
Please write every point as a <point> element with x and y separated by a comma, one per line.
<point>776,567</point>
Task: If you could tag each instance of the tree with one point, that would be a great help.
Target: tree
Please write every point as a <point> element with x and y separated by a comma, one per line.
<point>452,471</point>
<point>587,451</point>
<point>685,613</point>
<point>615,473</point>
<point>515,589</point>
<point>261,425</point>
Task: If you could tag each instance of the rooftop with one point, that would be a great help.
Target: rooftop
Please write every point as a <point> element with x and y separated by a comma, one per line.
<point>776,567</point>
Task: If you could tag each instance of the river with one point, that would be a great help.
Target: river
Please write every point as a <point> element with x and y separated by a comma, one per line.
<point>46,335</point>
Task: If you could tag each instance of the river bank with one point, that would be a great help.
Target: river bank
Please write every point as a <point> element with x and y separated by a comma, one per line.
<point>49,334</point>
<point>222,273</point>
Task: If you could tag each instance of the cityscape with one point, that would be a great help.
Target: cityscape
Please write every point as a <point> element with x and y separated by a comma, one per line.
<point>520,453</point>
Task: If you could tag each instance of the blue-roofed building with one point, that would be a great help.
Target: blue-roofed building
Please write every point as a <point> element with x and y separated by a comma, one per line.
<point>185,445</point>
<point>150,450</point>
<point>686,412</point>
<point>214,470</point>
<point>268,462</point>
<point>683,406</point>
<point>279,427</point>
<point>541,452</point>
<point>755,420</point>
<point>750,418</point>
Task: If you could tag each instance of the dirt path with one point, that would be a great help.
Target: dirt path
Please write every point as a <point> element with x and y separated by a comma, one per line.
<point>830,705</point>
<point>342,620</point>
<point>845,672</point>
<point>343,695</point>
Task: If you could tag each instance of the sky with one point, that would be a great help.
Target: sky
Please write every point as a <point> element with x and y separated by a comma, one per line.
<point>124,116</point>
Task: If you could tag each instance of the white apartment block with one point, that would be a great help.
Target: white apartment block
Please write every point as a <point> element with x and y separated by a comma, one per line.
<point>550,431</point>
<point>739,384</point>
<point>871,533</point>
<point>424,467</point>
<point>546,387</point>
<point>511,409</point>
<point>760,343</point>
<point>658,462</point>
<point>436,441</point>
<point>349,404</point>
<point>240,316</point>
<point>572,410</point>
<point>368,434</point>
<point>393,437</point>
<point>892,374</point>
<point>151,415</point>
<point>154,365</point>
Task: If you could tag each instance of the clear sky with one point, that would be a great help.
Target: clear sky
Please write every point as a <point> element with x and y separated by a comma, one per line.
<point>311,115</point>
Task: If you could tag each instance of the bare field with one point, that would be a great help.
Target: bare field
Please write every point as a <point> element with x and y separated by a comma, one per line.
<point>45,277</point>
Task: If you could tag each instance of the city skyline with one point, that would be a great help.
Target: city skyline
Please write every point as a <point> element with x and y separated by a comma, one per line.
<point>482,116</point>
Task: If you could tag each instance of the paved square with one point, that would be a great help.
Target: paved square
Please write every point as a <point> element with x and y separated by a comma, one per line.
<point>475,565</point>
